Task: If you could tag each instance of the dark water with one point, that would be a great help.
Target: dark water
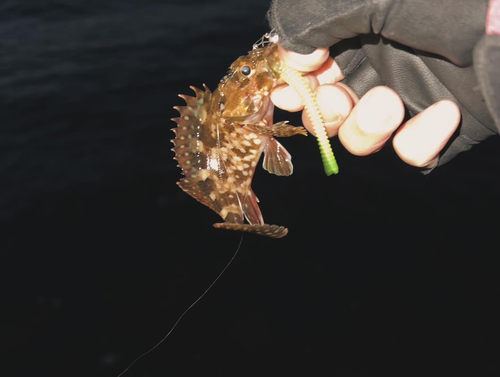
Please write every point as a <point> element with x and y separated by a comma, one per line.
<point>384,271</point>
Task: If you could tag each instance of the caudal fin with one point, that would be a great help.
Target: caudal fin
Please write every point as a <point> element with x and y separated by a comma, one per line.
<point>273,231</point>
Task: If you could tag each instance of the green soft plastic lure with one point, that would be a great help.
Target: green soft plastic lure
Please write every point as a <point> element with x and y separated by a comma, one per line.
<point>295,79</point>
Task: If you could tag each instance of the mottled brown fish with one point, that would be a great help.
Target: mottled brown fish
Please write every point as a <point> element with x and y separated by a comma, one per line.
<point>220,137</point>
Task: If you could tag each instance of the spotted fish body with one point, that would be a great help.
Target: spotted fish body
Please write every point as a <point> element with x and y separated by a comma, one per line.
<point>221,136</point>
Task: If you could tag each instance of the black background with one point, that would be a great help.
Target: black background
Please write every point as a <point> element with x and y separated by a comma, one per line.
<point>384,272</point>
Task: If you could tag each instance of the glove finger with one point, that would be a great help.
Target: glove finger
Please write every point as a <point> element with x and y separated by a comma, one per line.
<point>420,140</point>
<point>372,121</point>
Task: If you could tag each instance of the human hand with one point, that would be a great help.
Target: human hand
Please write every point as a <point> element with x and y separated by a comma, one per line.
<point>365,125</point>
<point>417,53</point>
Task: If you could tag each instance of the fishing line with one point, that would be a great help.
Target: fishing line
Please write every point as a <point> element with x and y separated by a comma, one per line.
<point>185,311</point>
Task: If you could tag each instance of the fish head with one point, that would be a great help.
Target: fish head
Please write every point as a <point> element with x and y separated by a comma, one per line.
<point>246,89</point>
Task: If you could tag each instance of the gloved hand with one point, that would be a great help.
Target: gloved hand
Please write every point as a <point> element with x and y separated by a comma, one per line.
<point>422,50</point>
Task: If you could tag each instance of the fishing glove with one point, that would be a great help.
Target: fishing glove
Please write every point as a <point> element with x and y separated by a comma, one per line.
<point>425,50</point>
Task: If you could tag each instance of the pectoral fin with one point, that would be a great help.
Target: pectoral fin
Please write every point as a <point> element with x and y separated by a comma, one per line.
<point>277,160</point>
<point>281,129</point>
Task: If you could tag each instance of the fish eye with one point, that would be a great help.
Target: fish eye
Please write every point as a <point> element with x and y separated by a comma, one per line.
<point>246,70</point>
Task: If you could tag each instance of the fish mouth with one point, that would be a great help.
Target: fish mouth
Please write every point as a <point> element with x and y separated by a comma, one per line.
<point>273,62</point>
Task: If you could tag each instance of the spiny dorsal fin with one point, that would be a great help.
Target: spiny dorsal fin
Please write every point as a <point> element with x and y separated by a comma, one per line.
<point>190,147</point>
<point>187,134</point>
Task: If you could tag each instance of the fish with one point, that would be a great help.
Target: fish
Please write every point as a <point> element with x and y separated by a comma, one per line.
<point>221,135</point>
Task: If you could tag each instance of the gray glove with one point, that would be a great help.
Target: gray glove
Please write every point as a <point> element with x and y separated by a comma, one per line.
<point>424,50</point>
